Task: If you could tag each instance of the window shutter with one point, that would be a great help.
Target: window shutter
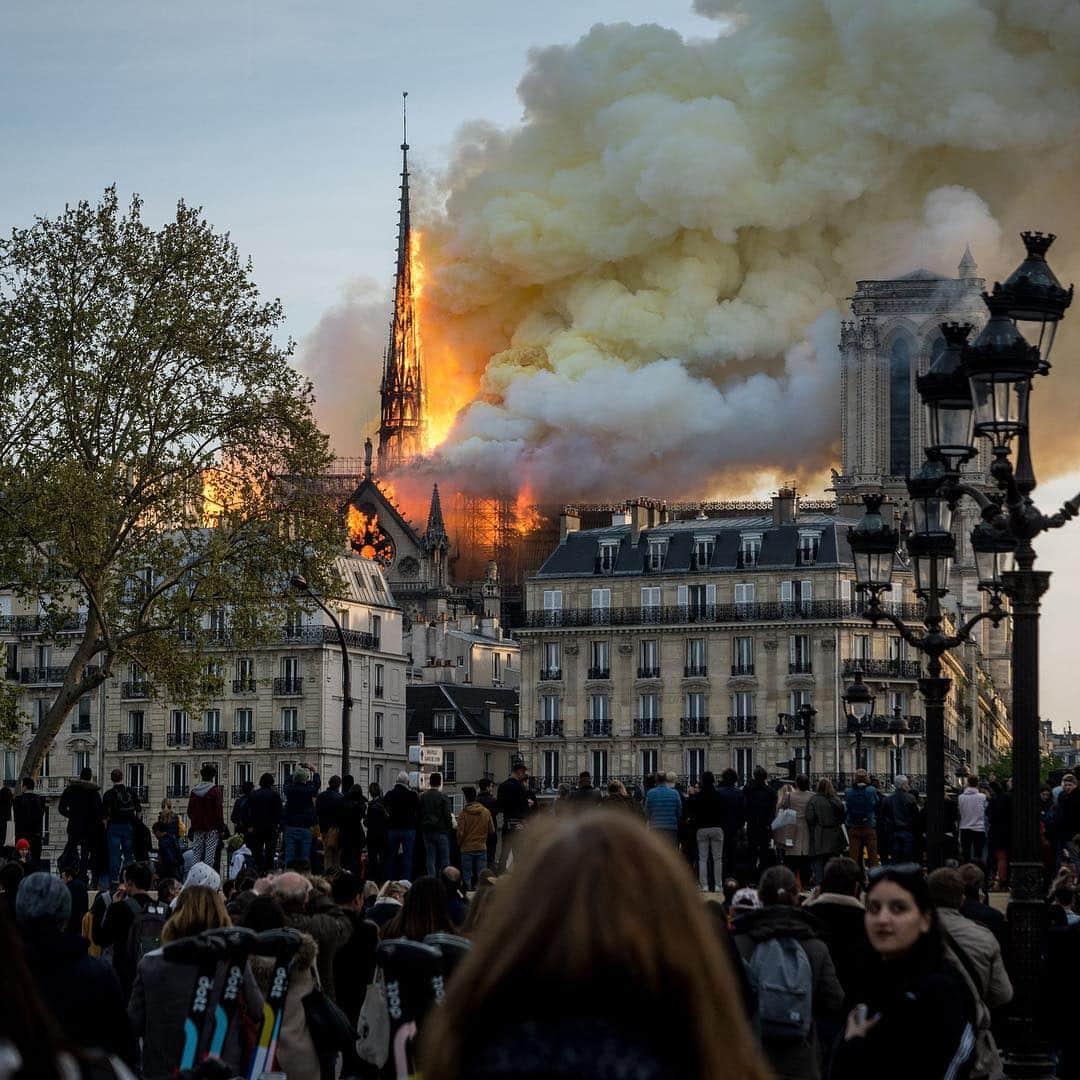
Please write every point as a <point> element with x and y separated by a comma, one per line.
<point>845,589</point>
<point>807,591</point>
<point>792,651</point>
<point>710,594</point>
<point>786,591</point>
<point>684,596</point>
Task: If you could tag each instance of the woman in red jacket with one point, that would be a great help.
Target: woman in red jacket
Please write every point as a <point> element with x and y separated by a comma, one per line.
<point>206,812</point>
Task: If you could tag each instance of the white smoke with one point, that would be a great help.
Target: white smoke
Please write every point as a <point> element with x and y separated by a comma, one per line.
<point>643,278</point>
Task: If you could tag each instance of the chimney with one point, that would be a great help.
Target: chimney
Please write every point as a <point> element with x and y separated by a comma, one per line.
<point>569,521</point>
<point>641,517</point>
<point>785,505</point>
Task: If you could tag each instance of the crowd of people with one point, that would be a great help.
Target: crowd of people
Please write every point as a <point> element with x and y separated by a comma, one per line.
<point>567,939</point>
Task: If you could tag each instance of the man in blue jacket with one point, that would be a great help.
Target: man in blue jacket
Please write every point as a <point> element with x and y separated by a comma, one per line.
<point>298,817</point>
<point>860,816</point>
<point>663,808</point>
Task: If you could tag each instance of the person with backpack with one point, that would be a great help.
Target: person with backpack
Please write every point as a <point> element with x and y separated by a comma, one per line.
<point>860,816</point>
<point>131,924</point>
<point>791,974</point>
<point>206,812</point>
<point>81,805</point>
<point>121,808</point>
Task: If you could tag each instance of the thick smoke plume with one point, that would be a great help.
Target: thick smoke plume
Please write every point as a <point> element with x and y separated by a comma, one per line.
<point>638,289</point>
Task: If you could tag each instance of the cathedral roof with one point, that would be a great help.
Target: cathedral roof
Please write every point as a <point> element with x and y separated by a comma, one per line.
<point>369,491</point>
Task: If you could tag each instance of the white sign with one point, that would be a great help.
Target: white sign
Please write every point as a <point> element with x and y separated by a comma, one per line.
<point>425,755</point>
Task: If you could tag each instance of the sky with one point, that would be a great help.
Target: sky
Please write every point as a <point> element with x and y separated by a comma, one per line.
<point>282,120</point>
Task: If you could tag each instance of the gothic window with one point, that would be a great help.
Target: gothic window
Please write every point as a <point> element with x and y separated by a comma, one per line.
<point>900,407</point>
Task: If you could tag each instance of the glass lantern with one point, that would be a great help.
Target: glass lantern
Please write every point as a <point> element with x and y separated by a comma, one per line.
<point>946,393</point>
<point>858,700</point>
<point>873,547</point>
<point>995,554</point>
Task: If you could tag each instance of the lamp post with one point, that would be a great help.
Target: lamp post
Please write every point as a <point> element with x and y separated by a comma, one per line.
<point>858,701</point>
<point>801,720</point>
<point>898,728</point>
<point>1000,367</point>
<point>300,584</point>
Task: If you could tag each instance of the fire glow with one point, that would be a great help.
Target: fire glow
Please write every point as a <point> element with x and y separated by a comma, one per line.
<point>363,532</point>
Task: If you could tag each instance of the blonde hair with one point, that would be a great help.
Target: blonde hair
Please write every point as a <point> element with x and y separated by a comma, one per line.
<point>198,908</point>
<point>574,907</point>
<point>166,811</point>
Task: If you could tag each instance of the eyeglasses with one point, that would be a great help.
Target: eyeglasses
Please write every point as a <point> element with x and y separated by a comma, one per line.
<point>907,869</point>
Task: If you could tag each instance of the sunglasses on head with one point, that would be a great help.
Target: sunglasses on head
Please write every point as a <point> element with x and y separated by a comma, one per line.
<point>907,869</point>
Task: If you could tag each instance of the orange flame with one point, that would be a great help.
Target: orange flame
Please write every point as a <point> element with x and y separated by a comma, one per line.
<point>363,532</point>
<point>213,498</point>
<point>526,515</point>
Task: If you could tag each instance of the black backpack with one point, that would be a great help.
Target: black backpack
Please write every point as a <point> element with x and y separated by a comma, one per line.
<point>145,933</point>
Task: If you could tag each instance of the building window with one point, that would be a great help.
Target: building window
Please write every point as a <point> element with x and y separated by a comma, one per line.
<point>510,726</point>
<point>212,721</point>
<point>609,552</point>
<point>650,602</point>
<point>552,668</point>
<point>83,722</point>
<point>862,760</point>
<point>599,660</point>
<point>553,606</point>
<point>136,722</point>
<point>799,593</point>
<point>376,631</point>
<point>549,708</point>
<point>450,766</point>
<point>136,776</point>
<point>703,549</point>
<point>285,771</point>
<point>745,593</point>
<point>290,670</point>
<point>697,600</point>
<point>743,762</point>
<point>601,606</point>
<point>695,706</point>
<point>11,767</point>
<point>808,547</point>
<point>289,720</point>
<point>695,657</point>
<point>897,700</point>
<point>742,703</point>
<point>80,760</point>
<point>178,781</point>
<point>799,697</point>
<point>657,551</point>
<point>242,722</point>
<point>599,707</point>
<point>245,674</point>
<point>178,723</point>
<point>496,668</point>
<point>648,763</point>
<point>861,645</point>
<point>378,776</point>
<point>695,765</point>
<point>243,773</point>
<point>442,723</point>
<point>896,648</point>
<point>648,706</point>
<point>380,687</point>
<point>598,766</point>
<point>378,722</point>
<point>749,550</point>
<point>550,773</point>
<point>742,656</point>
<point>800,658</point>
<point>900,407</point>
<point>649,667</point>
<point>12,657</point>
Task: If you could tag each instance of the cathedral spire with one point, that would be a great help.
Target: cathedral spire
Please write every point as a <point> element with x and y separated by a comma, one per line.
<point>403,427</point>
<point>968,267</point>
<point>436,528</point>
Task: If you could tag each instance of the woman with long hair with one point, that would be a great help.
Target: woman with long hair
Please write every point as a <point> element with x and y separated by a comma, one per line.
<point>162,991</point>
<point>573,973</point>
<point>825,819</point>
<point>423,912</point>
<point>168,818</point>
<point>911,989</point>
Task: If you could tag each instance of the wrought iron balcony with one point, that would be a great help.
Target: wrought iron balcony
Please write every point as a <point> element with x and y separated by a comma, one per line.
<point>287,740</point>
<point>742,725</point>
<point>243,738</point>
<point>208,740</point>
<point>140,740</point>
<point>50,676</point>
<point>648,726</point>
<point>599,673</point>
<point>176,791</point>
<point>549,729</point>
<point>38,624</point>
<point>648,673</point>
<point>801,667</point>
<point>288,687</point>
<point>177,738</point>
<point>680,614</point>
<point>327,635</point>
<point>694,725</point>
<point>695,671</point>
<point>136,690</point>
<point>594,728</point>
<point>879,725</point>
<point>81,727</point>
<point>552,674</point>
<point>243,686</point>
<point>884,669</point>
<point>142,792</point>
<point>741,669</point>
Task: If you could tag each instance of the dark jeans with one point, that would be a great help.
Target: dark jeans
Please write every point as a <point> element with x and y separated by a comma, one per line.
<point>376,862</point>
<point>757,848</point>
<point>399,862</point>
<point>263,844</point>
<point>972,842</point>
<point>902,847</point>
<point>121,840</point>
<point>80,848</point>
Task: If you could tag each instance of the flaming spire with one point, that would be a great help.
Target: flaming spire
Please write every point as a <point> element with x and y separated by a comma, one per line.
<point>403,427</point>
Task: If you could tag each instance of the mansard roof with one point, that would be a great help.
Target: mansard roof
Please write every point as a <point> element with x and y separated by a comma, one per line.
<point>471,706</point>
<point>577,555</point>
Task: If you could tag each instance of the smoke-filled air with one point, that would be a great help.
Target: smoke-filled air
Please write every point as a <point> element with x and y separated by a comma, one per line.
<point>639,288</point>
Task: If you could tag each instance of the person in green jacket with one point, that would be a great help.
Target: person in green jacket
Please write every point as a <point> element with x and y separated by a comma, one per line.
<point>436,824</point>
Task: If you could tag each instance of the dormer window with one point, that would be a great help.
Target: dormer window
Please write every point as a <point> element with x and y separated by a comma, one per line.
<point>657,553</point>
<point>703,547</point>
<point>749,549</point>
<point>808,547</point>
<point>609,551</point>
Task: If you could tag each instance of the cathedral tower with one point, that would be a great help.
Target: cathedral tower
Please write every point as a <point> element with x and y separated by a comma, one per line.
<point>403,425</point>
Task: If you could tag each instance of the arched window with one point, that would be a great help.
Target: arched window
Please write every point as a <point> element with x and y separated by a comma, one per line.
<point>900,407</point>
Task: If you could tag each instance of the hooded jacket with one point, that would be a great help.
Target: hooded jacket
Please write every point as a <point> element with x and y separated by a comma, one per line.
<point>296,1056</point>
<point>206,807</point>
<point>794,1060</point>
<point>474,827</point>
<point>81,805</point>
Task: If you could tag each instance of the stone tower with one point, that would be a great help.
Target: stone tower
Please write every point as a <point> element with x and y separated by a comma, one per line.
<point>403,424</point>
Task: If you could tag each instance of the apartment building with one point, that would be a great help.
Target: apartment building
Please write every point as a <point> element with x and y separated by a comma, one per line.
<point>682,645</point>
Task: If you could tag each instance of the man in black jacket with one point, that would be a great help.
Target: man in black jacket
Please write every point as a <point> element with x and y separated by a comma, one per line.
<point>973,908</point>
<point>29,813</point>
<point>585,796</point>
<point>717,815</point>
<point>487,800</point>
<point>403,815</point>
<point>838,907</point>
<point>378,835</point>
<point>328,807</point>
<point>121,808</point>
<point>513,802</point>
<point>760,801</point>
<point>264,816</point>
<point>900,814</point>
<point>81,992</point>
<point>81,805</point>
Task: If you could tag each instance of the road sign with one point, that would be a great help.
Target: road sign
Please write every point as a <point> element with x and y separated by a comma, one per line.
<point>425,755</point>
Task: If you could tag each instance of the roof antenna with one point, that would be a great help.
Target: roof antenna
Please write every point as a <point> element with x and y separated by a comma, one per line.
<point>404,121</point>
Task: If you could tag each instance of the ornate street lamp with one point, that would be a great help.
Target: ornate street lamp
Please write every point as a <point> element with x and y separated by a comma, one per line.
<point>858,701</point>
<point>995,555</point>
<point>873,547</point>
<point>931,544</point>
<point>801,720</point>
<point>946,391</point>
<point>898,728</point>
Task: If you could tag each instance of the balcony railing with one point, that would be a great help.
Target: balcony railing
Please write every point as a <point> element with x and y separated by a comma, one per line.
<point>51,676</point>
<point>549,729</point>
<point>243,738</point>
<point>176,791</point>
<point>742,725</point>
<point>648,726</point>
<point>287,740</point>
<point>678,614</point>
<point>81,727</point>
<point>599,673</point>
<point>884,669</point>
<point>318,635</point>
<point>37,624</point>
<point>695,671</point>
<point>801,667</point>
<point>879,725</point>
<point>136,690</point>
<point>244,686</point>
<point>648,673</point>
<point>140,740</point>
<point>288,687</point>
<point>594,728</point>
<point>694,725</point>
<point>177,738</point>
<point>551,674</point>
<point>142,792</point>
<point>208,740</point>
